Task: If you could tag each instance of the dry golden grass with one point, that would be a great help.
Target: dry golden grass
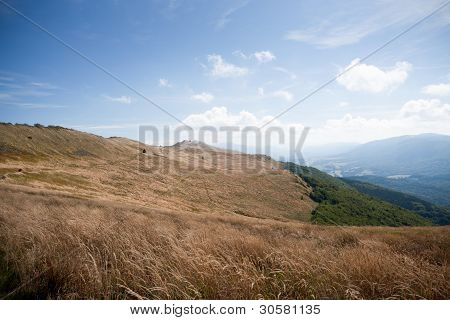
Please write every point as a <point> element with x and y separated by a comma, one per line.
<point>207,180</point>
<point>79,220</point>
<point>58,246</point>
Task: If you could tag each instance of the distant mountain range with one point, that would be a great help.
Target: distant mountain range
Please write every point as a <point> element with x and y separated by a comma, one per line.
<point>418,165</point>
<point>424,154</point>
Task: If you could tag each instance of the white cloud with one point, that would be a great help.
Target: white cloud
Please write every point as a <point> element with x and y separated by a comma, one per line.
<point>164,83</point>
<point>44,85</point>
<point>281,94</point>
<point>329,37</point>
<point>425,110</point>
<point>121,99</point>
<point>441,89</point>
<point>243,132</point>
<point>369,78</point>
<point>264,56</point>
<point>240,54</point>
<point>348,24</point>
<point>284,94</point>
<point>292,75</point>
<point>220,116</point>
<point>343,104</point>
<point>414,117</point>
<point>204,97</point>
<point>222,69</point>
<point>225,18</point>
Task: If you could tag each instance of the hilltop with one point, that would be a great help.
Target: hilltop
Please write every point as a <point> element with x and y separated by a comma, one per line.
<point>190,177</point>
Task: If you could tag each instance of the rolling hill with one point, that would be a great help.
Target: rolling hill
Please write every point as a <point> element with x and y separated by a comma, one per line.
<point>437,214</point>
<point>341,204</point>
<point>434,189</point>
<point>185,177</point>
<point>188,176</point>
<point>86,217</point>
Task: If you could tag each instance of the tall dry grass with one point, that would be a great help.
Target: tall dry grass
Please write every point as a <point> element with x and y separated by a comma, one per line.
<point>61,247</point>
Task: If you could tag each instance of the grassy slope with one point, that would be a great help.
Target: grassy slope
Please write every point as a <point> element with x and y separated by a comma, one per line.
<point>203,234</point>
<point>108,250</point>
<point>438,215</point>
<point>185,179</point>
<point>434,189</point>
<point>341,204</point>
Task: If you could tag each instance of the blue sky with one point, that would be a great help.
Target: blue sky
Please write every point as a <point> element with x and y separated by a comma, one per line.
<point>228,62</point>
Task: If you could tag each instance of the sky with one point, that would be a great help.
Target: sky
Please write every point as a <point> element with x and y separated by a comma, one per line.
<point>235,62</point>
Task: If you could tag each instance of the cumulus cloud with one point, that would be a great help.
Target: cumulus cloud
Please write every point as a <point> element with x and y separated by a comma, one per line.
<point>164,83</point>
<point>204,97</point>
<point>121,99</point>
<point>264,56</point>
<point>222,69</point>
<point>441,89</point>
<point>422,109</point>
<point>369,78</point>
<point>238,131</point>
<point>220,116</point>
<point>414,117</point>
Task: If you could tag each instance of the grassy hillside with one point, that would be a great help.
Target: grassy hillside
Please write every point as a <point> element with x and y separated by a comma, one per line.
<point>60,247</point>
<point>83,217</point>
<point>341,204</point>
<point>438,215</point>
<point>187,177</point>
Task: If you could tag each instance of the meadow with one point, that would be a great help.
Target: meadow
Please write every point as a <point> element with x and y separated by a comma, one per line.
<point>55,246</point>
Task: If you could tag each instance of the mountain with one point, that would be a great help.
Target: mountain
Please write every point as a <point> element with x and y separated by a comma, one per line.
<point>434,189</point>
<point>341,204</point>
<point>424,154</point>
<point>437,214</point>
<point>188,176</point>
<point>87,217</point>
<point>312,153</point>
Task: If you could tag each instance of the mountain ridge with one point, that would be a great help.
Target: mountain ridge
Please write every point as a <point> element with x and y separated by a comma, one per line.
<point>187,176</point>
